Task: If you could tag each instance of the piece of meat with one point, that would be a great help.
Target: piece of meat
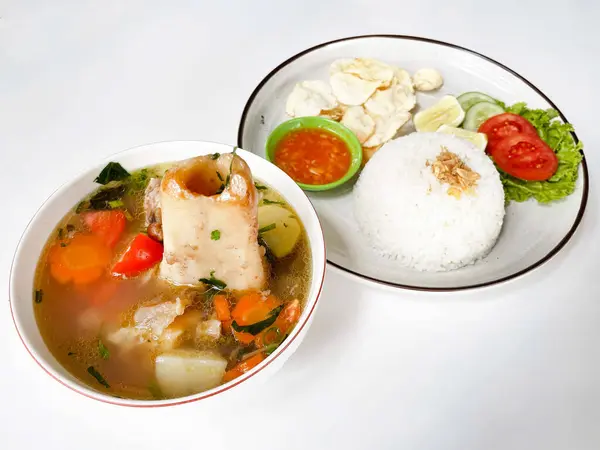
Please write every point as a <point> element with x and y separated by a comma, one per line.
<point>183,329</point>
<point>152,320</point>
<point>210,224</point>
<point>153,210</point>
<point>126,338</point>
<point>209,329</point>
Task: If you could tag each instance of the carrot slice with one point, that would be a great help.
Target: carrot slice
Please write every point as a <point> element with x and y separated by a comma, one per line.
<point>286,319</point>
<point>243,367</point>
<point>226,326</point>
<point>60,273</point>
<point>109,225</point>
<point>222,308</point>
<point>82,260</point>
<point>254,307</point>
<point>242,337</point>
<point>269,336</point>
<point>288,316</point>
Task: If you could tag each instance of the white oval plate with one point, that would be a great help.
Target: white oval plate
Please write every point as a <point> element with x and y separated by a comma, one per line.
<point>532,233</point>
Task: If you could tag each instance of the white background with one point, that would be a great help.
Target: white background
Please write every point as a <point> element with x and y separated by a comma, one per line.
<point>513,367</point>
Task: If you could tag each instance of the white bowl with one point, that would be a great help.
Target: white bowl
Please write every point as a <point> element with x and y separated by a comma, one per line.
<point>59,203</point>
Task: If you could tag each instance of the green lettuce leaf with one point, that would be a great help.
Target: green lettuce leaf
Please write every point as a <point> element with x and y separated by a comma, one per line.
<point>558,136</point>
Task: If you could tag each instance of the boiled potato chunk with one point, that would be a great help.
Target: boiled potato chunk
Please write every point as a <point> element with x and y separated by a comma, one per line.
<point>283,237</point>
<point>185,371</point>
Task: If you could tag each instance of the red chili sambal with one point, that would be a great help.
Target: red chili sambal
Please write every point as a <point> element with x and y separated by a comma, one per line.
<point>313,156</point>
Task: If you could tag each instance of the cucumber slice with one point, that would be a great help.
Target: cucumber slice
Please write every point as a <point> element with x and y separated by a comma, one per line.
<point>469,99</point>
<point>479,113</point>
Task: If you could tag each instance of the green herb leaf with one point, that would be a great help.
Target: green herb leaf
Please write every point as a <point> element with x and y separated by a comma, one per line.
<point>99,378</point>
<point>102,198</point>
<point>70,228</point>
<point>60,233</point>
<point>112,172</point>
<point>272,334</point>
<point>228,179</point>
<point>219,176</point>
<point>81,206</point>
<point>63,244</point>
<point>268,253</point>
<point>257,327</point>
<point>139,180</point>
<point>272,347</point>
<point>113,204</point>
<point>209,294</point>
<point>215,235</point>
<point>70,354</point>
<point>39,294</point>
<point>214,282</point>
<point>559,137</point>
<point>104,353</point>
<point>244,351</point>
<point>215,156</point>
<point>260,187</point>
<point>266,201</point>
<point>266,228</point>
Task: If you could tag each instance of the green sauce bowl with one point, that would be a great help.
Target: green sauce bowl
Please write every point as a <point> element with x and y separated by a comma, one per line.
<point>339,130</point>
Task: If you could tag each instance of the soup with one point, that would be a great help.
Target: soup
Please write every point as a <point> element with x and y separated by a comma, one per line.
<point>172,279</point>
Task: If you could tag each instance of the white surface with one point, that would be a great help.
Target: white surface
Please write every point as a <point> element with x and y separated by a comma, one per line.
<point>514,367</point>
<point>59,204</point>
<point>531,230</point>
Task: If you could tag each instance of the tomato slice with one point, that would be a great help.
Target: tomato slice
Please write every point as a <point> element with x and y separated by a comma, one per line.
<point>526,157</point>
<point>108,225</point>
<point>142,254</point>
<point>505,125</point>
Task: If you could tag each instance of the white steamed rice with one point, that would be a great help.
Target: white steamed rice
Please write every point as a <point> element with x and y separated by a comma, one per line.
<point>406,214</point>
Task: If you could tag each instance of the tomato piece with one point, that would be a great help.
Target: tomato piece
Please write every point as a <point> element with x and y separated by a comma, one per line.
<point>142,254</point>
<point>108,225</point>
<point>504,125</point>
<point>526,157</point>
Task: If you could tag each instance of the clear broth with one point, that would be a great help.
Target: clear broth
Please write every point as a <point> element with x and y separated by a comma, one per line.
<point>73,320</point>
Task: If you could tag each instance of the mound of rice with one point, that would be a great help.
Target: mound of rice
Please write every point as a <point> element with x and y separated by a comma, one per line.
<point>407,214</point>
